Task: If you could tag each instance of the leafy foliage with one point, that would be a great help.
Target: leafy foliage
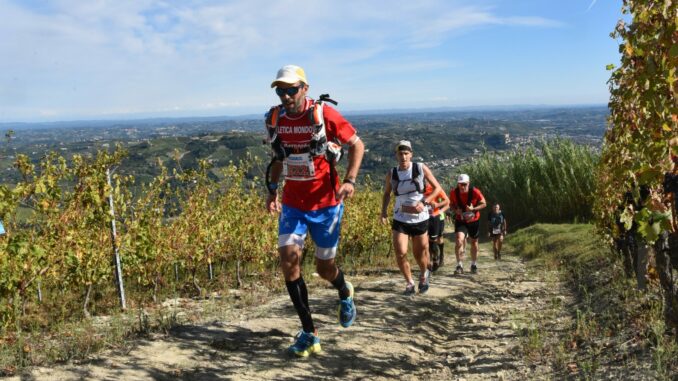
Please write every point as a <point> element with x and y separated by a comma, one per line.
<point>184,232</point>
<point>643,121</point>
<point>550,182</point>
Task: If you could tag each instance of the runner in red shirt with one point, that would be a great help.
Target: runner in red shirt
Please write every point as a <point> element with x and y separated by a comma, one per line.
<point>466,206</point>
<point>312,196</point>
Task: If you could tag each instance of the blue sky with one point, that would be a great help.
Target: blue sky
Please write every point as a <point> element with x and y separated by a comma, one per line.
<point>98,59</point>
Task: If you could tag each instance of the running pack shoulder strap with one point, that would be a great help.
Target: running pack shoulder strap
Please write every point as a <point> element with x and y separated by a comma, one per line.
<point>318,145</point>
<point>457,193</point>
<point>417,178</point>
<point>499,217</point>
<point>272,118</point>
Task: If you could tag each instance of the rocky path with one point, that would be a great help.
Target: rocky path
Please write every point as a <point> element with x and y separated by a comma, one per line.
<point>462,329</point>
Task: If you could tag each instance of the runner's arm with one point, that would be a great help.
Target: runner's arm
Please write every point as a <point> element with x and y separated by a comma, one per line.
<point>442,202</point>
<point>386,198</point>
<point>481,204</point>
<point>454,208</point>
<point>428,175</point>
<point>272,202</point>
<point>356,150</point>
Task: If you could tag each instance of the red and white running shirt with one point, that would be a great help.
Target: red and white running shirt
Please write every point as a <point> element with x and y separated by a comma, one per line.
<point>304,189</point>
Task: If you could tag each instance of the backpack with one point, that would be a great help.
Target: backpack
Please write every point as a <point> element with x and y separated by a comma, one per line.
<point>417,178</point>
<point>318,146</point>
<point>458,196</point>
<point>500,219</point>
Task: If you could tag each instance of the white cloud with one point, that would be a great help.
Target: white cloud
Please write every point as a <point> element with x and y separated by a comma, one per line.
<point>151,55</point>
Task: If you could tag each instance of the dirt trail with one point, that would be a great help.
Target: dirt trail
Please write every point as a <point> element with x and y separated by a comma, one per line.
<point>461,329</point>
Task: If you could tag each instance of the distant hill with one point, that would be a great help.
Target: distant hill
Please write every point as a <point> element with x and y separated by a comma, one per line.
<point>493,112</point>
<point>444,140</point>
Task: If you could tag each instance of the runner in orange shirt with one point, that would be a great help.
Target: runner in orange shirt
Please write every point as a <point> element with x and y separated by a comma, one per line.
<point>436,226</point>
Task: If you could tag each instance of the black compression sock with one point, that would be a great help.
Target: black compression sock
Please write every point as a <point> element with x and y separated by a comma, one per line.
<point>299,295</point>
<point>340,284</point>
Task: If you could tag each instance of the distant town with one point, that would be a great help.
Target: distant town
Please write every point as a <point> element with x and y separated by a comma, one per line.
<point>443,140</point>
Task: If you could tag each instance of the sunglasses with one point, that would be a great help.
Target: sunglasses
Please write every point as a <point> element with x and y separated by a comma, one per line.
<point>291,91</point>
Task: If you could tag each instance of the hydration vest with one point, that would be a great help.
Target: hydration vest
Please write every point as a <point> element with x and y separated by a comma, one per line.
<point>497,219</point>
<point>417,178</point>
<point>470,197</point>
<point>318,146</point>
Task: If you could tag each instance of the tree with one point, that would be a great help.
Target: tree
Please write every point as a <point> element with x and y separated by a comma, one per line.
<point>643,120</point>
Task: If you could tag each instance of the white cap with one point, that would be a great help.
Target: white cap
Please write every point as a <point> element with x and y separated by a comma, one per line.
<point>290,74</point>
<point>463,179</point>
<point>403,145</point>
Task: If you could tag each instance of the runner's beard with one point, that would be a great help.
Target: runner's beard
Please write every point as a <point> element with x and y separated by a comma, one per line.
<point>293,107</point>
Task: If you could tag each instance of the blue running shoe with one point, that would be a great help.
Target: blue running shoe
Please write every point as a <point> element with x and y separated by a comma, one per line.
<point>306,344</point>
<point>346,309</point>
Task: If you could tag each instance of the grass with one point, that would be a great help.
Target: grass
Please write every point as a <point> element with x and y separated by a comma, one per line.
<point>610,328</point>
<point>551,181</point>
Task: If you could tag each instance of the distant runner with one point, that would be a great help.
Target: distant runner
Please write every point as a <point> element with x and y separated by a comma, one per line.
<point>436,226</point>
<point>466,201</point>
<point>496,229</point>
<point>305,136</point>
<point>410,213</point>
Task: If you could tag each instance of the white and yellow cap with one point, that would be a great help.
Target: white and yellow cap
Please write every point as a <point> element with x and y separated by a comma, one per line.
<point>290,74</point>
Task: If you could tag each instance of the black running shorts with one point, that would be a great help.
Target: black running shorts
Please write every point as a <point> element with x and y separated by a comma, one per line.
<point>435,227</point>
<point>496,236</point>
<point>411,230</point>
<point>471,229</point>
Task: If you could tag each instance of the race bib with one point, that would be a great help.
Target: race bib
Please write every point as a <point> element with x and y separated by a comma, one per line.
<point>496,230</point>
<point>299,167</point>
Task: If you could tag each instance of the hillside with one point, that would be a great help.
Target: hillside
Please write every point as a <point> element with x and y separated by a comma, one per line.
<point>522,318</point>
<point>462,329</point>
<point>442,139</point>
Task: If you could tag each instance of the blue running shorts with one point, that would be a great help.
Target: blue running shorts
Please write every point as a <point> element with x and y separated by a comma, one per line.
<point>324,225</point>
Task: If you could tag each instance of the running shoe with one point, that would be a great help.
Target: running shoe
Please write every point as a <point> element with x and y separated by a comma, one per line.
<point>346,308</point>
<point>409,290</point>
<point>474,269</point>
<point>423,284</point>
<point>306,344</point>
<point>458,270</point>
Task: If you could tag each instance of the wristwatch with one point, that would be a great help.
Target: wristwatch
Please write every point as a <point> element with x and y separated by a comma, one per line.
<point>272,187</point>
<point>349,181</point>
